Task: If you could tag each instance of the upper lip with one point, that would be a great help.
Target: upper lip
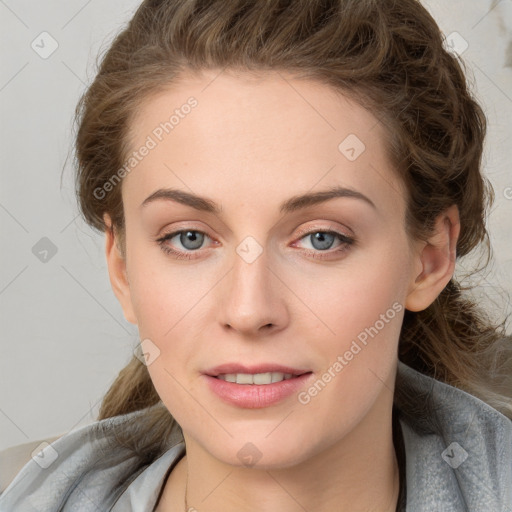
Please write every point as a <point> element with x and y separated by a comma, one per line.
<point>226,368</point>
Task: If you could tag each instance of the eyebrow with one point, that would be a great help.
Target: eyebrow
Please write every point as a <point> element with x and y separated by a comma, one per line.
<point>293,204</point>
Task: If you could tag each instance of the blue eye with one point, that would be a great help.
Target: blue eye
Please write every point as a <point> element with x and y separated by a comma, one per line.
<point>192,240</point>
<point>322,241</point>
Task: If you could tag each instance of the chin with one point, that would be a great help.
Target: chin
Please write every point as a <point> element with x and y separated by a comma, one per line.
<point>264,455</point>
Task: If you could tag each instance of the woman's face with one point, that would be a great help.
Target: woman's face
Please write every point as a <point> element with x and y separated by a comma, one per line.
<point>259,277</point>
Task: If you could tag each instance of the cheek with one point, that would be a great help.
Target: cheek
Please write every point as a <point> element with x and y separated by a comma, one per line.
<point>353,297</point>
<point>163,299</point>
<point>168,300</point>
<point>361,312</point>
<point>164,294</point>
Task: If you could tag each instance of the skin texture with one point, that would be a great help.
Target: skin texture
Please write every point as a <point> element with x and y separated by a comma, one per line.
<point>249,145</point>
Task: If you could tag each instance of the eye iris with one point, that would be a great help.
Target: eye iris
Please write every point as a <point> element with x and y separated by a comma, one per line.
<point>194,237</point>
<point>325,240</point>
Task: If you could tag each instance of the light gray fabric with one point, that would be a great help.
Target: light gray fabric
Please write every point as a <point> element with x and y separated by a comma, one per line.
<point>458,448</point>
<point>92,473</point>
<point>143,492</point>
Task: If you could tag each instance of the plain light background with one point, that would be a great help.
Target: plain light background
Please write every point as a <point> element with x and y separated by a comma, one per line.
<point>64,337</point>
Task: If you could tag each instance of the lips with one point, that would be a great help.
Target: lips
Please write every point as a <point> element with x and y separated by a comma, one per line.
<point>237,368</point>
<point>256,378</point>
<point>252,388</point>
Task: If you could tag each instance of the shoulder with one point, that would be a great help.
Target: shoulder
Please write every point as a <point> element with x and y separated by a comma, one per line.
<point>14,458</point>
<point>458,448</point>
<point>80,470</point>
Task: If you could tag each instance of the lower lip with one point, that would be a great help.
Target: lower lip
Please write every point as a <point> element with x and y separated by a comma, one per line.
<point>256,396</point>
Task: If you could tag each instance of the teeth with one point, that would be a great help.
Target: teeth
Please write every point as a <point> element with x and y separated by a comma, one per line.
<point>278,377</point>
<point>260,378</point>
<point>256,378</point>
<point>244,378</point>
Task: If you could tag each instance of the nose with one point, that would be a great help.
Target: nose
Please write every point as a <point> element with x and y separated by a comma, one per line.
<point>252,300</point>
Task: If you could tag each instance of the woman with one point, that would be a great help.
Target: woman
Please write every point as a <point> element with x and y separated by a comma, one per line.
<point>285,188</point>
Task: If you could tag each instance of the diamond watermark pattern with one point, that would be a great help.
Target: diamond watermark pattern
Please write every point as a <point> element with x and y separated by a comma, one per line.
<point>44,455</point>
<point>146,352</point>
<point>44,45</point>
<point>454,455</point>
<point>249,455</point>
<point>44,250</point>
<point>249,249</point>
<point>455,43</point>
<point>352,147</point>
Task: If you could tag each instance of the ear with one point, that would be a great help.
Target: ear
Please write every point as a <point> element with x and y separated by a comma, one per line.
<point>116,264</point>
<point>435,260</point>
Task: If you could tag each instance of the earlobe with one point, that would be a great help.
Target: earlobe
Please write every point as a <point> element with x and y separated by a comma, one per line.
<point>436,259</point>
<point>116,264</point>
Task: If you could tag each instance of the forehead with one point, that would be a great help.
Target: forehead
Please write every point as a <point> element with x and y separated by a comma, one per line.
<point>266,134</point>
<point>266,103</point>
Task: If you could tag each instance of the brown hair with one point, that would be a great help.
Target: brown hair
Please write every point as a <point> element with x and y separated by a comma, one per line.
<point>386,54</point>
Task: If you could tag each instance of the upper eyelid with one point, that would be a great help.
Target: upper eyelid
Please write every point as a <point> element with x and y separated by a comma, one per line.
<point>311,228</point>
<point>330,229</point>
<point>173,233</point>
<point>342,237</point>
<point>302,233</point>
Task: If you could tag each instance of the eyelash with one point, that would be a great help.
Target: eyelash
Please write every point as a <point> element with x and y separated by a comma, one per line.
<point>346,243</point>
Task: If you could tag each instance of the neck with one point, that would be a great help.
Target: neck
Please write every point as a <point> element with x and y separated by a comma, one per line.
<point>358,473</point>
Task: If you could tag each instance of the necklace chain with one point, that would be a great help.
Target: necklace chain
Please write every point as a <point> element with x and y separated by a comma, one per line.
<point>185,498</point>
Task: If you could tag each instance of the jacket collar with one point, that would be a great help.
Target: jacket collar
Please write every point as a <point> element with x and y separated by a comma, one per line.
<point>458,448</point>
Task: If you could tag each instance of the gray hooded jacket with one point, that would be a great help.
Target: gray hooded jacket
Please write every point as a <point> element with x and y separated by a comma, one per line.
<point>455,451</point>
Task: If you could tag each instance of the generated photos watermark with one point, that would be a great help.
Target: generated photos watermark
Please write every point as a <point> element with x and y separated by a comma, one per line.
<point>151,142</point>
<point>304,397</point>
